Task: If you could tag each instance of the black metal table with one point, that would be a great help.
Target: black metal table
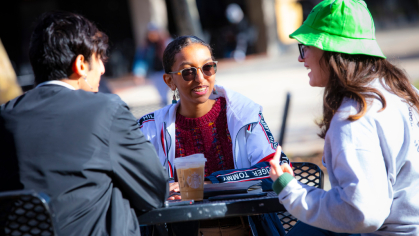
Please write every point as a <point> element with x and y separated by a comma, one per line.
<point>206,210</point>
<point>305,172</point>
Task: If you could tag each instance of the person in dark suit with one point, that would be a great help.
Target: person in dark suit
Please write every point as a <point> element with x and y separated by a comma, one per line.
<point>83,149</point>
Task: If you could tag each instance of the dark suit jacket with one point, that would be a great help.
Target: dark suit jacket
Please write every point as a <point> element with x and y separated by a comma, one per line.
<point>86,151</point>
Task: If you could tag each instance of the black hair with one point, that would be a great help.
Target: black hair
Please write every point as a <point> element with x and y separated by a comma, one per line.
<point>176,46</point>
<point>59,37</point>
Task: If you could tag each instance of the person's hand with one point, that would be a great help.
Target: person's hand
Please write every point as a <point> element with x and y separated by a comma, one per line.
<point>174,191</point>
<point>276,169</point>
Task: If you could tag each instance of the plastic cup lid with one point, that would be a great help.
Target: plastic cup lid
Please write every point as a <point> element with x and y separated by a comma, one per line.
<point>195,158</point>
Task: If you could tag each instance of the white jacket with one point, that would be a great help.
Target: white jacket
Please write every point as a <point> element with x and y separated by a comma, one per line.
<point>373,166</point>
<point>252,140</point>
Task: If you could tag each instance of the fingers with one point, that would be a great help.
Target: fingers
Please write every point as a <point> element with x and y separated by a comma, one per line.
<point>174,187</point>
<point>272,172</point>
<point>275,161</point>
<point>174,191</point>
<point>277,155</point>
<point>273,175</point>
<point>276,169</point>
<point>287,169</point>
<point>175,197</point>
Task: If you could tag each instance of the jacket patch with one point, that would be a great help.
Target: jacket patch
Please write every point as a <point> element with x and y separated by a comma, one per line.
<point>267,132</point>
<point>146,118</point>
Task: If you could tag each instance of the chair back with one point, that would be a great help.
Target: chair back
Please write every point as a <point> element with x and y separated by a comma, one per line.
<point>25,213</point>
<point>307,173</point>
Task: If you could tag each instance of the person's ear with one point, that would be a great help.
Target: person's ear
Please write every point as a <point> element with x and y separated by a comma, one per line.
<point>80,66</point>
<point>168,79</point>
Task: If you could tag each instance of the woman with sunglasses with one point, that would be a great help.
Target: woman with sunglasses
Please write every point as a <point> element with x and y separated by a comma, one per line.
<point>370,126</point>
<point>225,126</point>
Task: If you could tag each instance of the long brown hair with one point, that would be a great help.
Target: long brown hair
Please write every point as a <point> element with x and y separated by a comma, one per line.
<point>349,76</point>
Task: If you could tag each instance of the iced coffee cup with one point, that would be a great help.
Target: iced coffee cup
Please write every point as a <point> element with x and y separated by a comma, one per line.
<point>190,173</point>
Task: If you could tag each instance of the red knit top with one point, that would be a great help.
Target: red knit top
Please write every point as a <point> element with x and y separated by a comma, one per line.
<point>208,135</point>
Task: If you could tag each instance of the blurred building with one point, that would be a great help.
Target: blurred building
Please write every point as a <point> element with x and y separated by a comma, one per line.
<point>113,16</point>
<point>9,88</point>
<point>235,28</point>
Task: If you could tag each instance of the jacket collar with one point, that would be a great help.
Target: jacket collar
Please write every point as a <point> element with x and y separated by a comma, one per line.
<point>240,109</point>
<point>56,82</point>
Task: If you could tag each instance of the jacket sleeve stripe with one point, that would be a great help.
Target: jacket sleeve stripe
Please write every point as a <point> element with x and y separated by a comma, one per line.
<point>237,172</point>
<point>267,131</point>
<point>162,141</point>
<point>266,135</point>
<point>260,172</point>
<point>268,157</point>
<point>250,179</point>
<point>170,169</point>
<point>163,145</point>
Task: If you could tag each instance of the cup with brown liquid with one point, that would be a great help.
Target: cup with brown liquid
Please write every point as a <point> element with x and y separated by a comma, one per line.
<point>191,173</point>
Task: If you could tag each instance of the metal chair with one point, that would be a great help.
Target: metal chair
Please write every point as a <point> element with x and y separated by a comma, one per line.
<point>25,213</point>
<point>306,173</point>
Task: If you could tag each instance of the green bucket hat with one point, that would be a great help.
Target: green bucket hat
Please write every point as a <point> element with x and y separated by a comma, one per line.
<point>344,26</point>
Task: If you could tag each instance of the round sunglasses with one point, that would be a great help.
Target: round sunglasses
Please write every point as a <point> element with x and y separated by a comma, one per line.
<point>189,74</point>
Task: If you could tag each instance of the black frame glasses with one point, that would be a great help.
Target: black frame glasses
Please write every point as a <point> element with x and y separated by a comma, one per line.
<point>302,48</point>
<point>189,74</point>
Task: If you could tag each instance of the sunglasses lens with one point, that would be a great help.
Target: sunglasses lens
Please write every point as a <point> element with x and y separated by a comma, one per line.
<point>302,49</point>
<point>209,69</point>
<point>189,74</point>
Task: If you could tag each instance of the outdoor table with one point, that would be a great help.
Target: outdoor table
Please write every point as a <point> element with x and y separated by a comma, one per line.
<point>205,210</point>
<point>305,172</point>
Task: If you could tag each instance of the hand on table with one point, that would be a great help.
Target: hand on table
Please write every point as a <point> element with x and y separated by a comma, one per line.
<point>276,169</point>
<point>174,193</point>
<point>174,188</point>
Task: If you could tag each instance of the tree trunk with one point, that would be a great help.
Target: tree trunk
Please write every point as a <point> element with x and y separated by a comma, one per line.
<point>143,12</point>
<point>186,16</point>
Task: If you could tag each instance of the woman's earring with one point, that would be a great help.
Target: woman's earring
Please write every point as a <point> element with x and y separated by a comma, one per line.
<point>214,91</point>
<point>174,101</point>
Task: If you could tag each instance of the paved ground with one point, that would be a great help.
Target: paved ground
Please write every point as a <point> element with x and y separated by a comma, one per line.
<point>266,80</point>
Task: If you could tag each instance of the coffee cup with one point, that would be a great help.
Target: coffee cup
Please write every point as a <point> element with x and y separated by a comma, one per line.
<point>191,173</point>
